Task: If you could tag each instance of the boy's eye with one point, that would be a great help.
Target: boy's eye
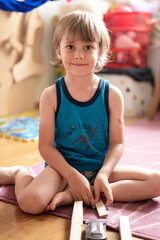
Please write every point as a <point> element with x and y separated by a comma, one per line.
<point>70,47</point>
<point>88,47</point>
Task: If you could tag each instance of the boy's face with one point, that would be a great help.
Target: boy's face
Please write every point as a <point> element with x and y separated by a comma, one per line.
<point>78,57</point>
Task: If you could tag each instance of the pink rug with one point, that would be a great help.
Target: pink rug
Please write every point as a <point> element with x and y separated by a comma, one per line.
<point>142,149</point>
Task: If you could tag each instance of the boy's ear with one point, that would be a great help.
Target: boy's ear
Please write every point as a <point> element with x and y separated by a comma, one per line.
<point>58,52</point>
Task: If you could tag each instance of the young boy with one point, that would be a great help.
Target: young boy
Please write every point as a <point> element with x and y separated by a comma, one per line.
<point>81,129</point>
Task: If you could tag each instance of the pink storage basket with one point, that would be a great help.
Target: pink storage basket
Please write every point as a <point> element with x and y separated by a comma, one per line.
<point>130,36</point>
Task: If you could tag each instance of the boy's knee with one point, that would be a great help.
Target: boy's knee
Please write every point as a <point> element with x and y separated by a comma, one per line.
<point>31,203</point>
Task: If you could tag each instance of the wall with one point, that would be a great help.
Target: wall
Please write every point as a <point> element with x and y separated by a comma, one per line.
<point>47,12</point>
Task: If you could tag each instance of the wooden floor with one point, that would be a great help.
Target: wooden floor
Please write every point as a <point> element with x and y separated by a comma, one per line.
<point>17,225</point>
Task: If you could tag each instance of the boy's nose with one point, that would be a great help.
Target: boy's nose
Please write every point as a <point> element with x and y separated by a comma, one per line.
<point>79,55</point>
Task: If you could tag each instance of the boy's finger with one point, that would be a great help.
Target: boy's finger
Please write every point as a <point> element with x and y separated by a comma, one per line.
<point>108,202</point>
<point>86,200</point>
<point>109,199</point>
<point>97,195</point>
<point>91,198</point>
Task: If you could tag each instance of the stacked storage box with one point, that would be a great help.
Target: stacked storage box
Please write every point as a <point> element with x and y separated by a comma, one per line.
<point>130,36</point>
<point>136,84</point>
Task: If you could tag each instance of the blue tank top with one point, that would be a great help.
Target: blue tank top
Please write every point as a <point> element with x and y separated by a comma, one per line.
<point>82,128</point>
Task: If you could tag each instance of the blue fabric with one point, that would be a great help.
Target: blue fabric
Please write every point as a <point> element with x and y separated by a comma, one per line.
<point>81,131</point>
<point>25,6</point>
<point>90,175</point>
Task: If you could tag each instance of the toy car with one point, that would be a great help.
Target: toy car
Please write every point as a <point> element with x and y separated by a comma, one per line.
<point>95,230</point>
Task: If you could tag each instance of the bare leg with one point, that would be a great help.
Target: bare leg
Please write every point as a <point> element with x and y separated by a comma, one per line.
<point>61,199</point>
<point>131,184</point>
<point>33,194</point>
<point>8,174</point>
<point>128,184</point>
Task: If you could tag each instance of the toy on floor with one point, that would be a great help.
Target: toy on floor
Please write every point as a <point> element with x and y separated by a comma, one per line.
<point>124,227</point>
<point>95,229</point>
<point>77,222</point>
<point>23,127</point>
<point>101,209</point>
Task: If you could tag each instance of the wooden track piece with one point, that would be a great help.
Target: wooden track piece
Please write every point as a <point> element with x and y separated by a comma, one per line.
<point>76,221</point>
<point>124,227</point>
<point>101,209</point>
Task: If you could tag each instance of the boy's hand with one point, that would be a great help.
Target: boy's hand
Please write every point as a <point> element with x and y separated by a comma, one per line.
<point>81,189</point>
<point>102,186</point>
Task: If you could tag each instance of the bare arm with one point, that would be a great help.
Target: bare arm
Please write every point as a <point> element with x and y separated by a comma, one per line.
<point>47,133</point>
<point>116,145</point>
<point>116,131</point>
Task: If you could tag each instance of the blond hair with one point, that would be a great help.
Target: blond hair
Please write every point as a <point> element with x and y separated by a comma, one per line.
<point>87,27</point>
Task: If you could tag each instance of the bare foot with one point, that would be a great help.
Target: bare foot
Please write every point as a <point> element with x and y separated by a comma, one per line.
<point>8,174</point>
<point>60,199</point>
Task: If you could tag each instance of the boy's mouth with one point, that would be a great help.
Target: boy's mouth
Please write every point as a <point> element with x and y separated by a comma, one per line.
<point>79,64</point>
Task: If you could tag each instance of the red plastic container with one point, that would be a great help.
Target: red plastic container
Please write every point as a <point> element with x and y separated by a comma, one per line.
<point>130,36</point>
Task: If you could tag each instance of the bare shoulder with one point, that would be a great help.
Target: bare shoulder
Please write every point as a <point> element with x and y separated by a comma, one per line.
<point>115,91</point>
<point>115,95</point>
<point>48,93</point>
<point>48,97</point>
